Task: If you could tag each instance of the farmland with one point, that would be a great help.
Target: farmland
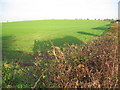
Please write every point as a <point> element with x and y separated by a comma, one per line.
<point>21,39</point>
<point>22,35</point>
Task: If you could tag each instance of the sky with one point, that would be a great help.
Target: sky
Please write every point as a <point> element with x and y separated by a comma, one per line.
<point>20,10</point>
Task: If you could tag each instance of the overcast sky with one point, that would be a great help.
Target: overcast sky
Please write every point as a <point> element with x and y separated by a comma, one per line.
<point>15,10</point>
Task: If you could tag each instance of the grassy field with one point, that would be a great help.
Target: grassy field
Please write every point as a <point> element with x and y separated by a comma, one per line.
<point>25,35</point>
<point>19,39</point>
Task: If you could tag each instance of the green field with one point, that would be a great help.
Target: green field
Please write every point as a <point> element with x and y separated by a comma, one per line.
<point>24,35</point>
<point>20,39</point>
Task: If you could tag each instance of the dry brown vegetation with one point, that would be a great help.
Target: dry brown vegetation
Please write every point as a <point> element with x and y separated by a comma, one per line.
<point>94,65</point>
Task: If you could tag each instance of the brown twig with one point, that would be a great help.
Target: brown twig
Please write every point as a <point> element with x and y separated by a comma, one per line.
<point>38,80</point>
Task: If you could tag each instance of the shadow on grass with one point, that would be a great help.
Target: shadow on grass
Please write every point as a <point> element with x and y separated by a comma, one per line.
<point>85,33</point>
<point>60,42</point>
<point>101,28</point>
<point>26,59</point>
<point>104,28</point>
<point>10,55</point>
<point>110,23</point>
<point>7,42</point>
<point>16,56</point>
